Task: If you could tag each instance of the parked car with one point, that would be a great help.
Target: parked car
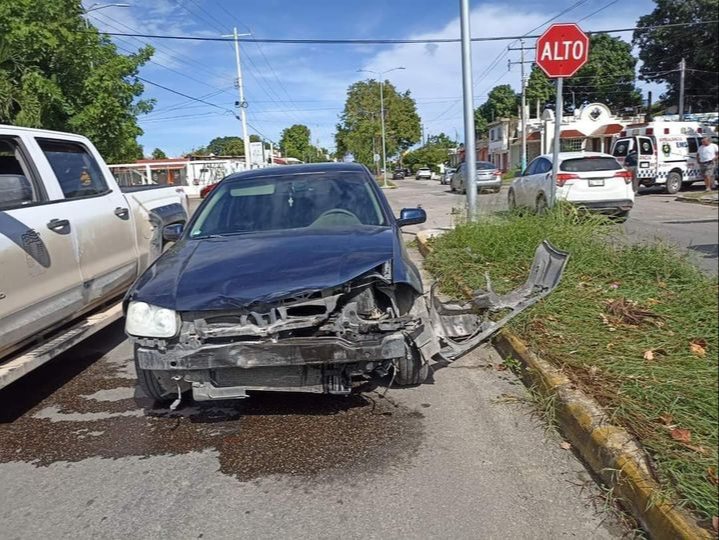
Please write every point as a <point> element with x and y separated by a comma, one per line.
<point>297,279</point>
<point>423,173</point>
<point>398,174</point>
<point>488,178</point>
<point>205,191</point>
<point>447,175</point>
<point>71,242</point>
<point>591,180</point>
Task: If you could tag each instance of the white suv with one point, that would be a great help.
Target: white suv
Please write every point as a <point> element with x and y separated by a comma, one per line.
<point>423,173</point>
<point>588,179</point>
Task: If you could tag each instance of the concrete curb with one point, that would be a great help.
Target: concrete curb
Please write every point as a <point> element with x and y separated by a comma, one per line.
<point>611,452</point>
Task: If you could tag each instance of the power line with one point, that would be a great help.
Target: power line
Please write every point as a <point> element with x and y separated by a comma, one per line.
<point>599,10</point>
<point>423,41</point>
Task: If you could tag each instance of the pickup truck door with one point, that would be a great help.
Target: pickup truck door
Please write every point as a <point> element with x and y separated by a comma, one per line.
<point>99,215</point>
<point>40,281</point>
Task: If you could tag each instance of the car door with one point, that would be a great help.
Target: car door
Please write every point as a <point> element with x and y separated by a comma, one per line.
<point>99,216</point>
<point>457,177</point>
<point>40,280</point>
<point>541,180</point>
<point>646,158</point>
<point>523,185</point>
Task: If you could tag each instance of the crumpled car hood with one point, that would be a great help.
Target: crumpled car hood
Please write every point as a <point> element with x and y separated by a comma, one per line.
<point>234,272</point>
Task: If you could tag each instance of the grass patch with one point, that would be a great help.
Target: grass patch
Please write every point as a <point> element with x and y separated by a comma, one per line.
<point>634,326</point>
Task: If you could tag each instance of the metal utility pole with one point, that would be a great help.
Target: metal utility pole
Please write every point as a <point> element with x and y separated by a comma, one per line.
<point>470,147</point>
<point>558,114</point>
<point>381,75</point>
<point>682,79</point>
<point>523,115</point>
<point>241,91</point>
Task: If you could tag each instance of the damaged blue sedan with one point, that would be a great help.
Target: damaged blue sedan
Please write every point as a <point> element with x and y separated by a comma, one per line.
<point>297,279</point>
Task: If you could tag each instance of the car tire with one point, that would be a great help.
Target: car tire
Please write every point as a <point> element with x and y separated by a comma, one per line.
<point>411,370</point>
<point>462,189</point>
<point>542,206</point>
<point>511,200</point>
<point>151,384</point>
<point>621,217</point>
<point>674,183</point>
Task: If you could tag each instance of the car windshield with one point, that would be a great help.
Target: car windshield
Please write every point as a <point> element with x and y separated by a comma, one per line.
<point>485,166</point>
<point>292,201</point>
<point>591,164</point>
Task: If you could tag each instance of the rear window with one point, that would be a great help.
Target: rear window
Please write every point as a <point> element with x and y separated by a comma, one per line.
<point>622,148</point>
<point>591,164</point>
<point>485,166</point>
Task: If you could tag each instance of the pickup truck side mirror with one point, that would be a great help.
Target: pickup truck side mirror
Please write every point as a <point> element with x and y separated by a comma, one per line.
<point>172,233</point>
<point>411,216</point>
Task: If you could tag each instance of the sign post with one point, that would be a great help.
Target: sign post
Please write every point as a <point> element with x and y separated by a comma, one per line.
<point>561,51</point>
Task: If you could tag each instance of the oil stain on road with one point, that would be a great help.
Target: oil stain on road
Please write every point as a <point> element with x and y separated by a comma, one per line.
<point>96,411</point>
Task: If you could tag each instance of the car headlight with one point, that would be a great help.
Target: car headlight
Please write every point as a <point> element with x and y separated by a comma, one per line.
<point>144,320</point>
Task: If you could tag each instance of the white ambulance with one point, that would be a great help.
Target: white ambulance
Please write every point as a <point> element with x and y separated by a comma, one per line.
<point>662,153</point>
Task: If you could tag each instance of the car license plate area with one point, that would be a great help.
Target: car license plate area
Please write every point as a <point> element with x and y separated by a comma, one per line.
<point>596,182</point>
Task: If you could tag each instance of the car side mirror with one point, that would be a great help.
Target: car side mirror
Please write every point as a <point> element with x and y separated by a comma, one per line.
<point>411,216</point>
<point>172,233</point>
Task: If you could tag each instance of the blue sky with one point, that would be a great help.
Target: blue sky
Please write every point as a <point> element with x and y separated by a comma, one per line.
<point>307,84</point>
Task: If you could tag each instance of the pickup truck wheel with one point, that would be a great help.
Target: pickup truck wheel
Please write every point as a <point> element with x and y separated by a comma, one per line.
<point>152,384</point>
<point>411,369</point>
<point>674,182</point>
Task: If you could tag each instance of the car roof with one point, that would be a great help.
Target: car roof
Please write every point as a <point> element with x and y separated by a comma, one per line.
<point>289,170</point>
<point>564,156</point>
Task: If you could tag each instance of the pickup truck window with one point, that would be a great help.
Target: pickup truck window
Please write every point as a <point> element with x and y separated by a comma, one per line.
<point>76,170</point>
<point>16,184</point>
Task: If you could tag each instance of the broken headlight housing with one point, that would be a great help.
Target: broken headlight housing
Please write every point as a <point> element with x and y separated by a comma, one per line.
<point>145,320</point>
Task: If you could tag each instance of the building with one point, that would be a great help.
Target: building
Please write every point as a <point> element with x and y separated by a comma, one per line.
<point>589,128</point>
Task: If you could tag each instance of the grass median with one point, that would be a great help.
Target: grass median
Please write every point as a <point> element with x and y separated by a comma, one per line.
<point>634,326</point>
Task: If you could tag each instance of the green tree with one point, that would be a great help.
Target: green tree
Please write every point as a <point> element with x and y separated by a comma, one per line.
<point>226,146</point>
<point>539,88</point>
<point>501,103</point>
<point>158,154</point>
<point>608,77</point>
<point>434,152</point>
<point>56,75</point>
<point>295,143</point>
<point>662,49</point>
<point>359,131</point>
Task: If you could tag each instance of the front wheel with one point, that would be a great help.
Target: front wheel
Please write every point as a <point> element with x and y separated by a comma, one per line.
<point>155,384</point>
<point>674,183</point>
<point>411,370</point>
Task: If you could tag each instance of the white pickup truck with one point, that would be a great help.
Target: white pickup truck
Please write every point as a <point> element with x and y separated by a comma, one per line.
<point>71,243</point>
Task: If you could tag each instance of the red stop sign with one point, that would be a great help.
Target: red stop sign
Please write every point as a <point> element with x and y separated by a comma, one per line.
<point>562,50</point>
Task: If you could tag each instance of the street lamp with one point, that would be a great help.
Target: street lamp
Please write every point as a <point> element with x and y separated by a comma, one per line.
<point>381,75</point>
<point>97,6</point>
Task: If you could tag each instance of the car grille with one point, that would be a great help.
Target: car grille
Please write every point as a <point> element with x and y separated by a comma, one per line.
<point>268,377</point>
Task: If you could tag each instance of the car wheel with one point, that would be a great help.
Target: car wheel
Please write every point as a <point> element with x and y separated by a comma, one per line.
<point>674,182</point>
<point>155,384</point>
<point>512,200</point>
<point>411,369</point>
<point>621,217</point>
<point>542,205</point>
<point>462,189</point>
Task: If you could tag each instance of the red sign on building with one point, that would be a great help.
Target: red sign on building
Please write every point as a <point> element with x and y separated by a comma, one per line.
<point>562,50</point>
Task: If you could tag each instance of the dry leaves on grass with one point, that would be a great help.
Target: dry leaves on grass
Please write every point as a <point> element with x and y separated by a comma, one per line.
<point>698,347</point>
<point>629,313</point>
<point>666,419</point>
<point>712,476</point>
<point>715,523</point>
<point>654,354</point>
<point>683,436</point>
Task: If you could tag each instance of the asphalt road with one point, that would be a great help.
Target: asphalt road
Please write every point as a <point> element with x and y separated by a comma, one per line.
<point>83,454</point>
<point>692,228</point>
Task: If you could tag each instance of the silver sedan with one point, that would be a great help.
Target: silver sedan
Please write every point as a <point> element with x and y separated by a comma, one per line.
<point>488,178</point>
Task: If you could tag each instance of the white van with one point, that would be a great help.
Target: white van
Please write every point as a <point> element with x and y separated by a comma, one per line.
<point>662,153</point>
